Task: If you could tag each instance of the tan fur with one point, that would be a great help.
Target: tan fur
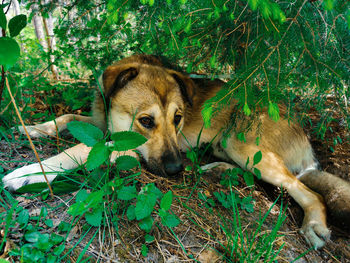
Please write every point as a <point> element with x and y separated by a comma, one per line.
<point>140,87</point>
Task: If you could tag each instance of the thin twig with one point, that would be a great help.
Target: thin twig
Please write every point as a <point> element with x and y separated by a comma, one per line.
<point>29,139</point>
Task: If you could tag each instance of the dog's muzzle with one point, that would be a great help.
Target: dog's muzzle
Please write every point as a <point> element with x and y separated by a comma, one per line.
<point>172,163</point>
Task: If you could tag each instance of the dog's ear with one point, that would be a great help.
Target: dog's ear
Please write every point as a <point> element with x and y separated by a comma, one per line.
<point>186,84</point>
<point>116,77</point>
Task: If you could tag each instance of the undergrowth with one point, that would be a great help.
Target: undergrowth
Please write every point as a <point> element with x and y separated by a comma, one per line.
<point>104,195</point>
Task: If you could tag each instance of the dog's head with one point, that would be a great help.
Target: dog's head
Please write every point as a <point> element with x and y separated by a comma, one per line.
<point>151,100</point>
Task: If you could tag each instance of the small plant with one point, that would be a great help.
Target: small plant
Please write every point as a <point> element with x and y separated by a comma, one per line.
<point>36,245</point>
<point>140,204</point>
<point>251,246</point>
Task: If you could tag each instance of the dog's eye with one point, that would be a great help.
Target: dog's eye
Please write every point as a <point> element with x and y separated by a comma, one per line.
<point>177,119</point>
<point>147,122</point>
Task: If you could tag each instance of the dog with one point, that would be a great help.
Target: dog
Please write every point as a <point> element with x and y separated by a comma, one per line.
<point>165,105</point>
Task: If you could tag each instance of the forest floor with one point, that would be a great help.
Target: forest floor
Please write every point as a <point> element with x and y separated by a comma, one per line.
<point>200,236</point>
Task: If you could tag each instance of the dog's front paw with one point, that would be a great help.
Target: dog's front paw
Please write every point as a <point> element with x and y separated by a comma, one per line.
<point>315,233</point>
<point>34,131</point>
<point>25,175</point>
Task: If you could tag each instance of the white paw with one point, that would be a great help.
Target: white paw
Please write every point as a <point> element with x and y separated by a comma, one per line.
<point>26,175</point>
<point>315,233</point>
<point>39,130</point>
<point>32,131</point>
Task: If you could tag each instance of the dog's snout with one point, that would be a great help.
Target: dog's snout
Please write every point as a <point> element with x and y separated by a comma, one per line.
<point>173,168</point>
<point>172,164</point>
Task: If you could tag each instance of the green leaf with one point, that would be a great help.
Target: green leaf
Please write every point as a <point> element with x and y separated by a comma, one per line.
<point>146,224</point>
<point>56,239</point>
<point>43,243</point>
<point>32,236</point>
<point>23,218</point>
<point>188,168</point>
<point>257,173</point>
<point>127,193</point>
<point>246,109</point>
<point>32,188</point>
<point>248,178</point>
<point>170,220</point>
<point>146,201</point>
<point>81,196</point>
<point>127,140</point>
<point>51,259</point>
<point>247,204</point>
<point>58,187</point>
<point>151,2</point>
<point>224,199</point>
<point>97,156</point>
<point>3,20</point>
<point>130,213</point>
<point>213,61</point>
<point>149,238</point>
<point>207,113</point>
<point>144,250</point>
<point>49,222</point>
<point>257,158</point>
<point>95,217</point>
<point>64,226</point>
<point>253,4</point>
<point>9,52</point>
<point>152,189</point>
<point>273,111</point>
<point>241,137</point>
<point>144,206</point>
<point>166,201</point>
<point>16,24</point>
<point>59,250</point>
<point>188,26</point>
<point>92,201</point>
<point>328,4</point>
<point>257,140</point>
<point>85,132</point>
<point>126,162</point>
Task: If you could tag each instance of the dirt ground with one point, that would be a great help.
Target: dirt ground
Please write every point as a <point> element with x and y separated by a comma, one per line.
<point>199,233</point>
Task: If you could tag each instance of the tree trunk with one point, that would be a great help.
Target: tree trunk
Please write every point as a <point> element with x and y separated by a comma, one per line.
<point>39,31</point>
<point>50,49</point>
<point>16,7</point>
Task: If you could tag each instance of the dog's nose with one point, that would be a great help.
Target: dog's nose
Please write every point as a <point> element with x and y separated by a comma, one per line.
<point>173,168</point>
<point>172,163</point>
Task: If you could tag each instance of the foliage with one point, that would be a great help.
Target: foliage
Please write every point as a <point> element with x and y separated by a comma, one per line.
<point>9,48</point>
<point>294,52</point>
<point>90,204</point>
<point>34,245</point>
<point>270,51</point>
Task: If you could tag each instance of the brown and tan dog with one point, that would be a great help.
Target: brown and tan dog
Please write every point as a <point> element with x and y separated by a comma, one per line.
<point>165,106</point>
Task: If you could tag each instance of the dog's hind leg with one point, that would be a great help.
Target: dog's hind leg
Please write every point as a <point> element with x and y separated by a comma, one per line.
<point>274,171</point>
<point>50,128</point>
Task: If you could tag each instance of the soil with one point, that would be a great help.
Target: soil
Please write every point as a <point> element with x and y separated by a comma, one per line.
<point>200,235</point>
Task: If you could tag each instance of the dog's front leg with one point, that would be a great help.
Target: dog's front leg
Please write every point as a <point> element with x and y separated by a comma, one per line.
<point>69,159</point>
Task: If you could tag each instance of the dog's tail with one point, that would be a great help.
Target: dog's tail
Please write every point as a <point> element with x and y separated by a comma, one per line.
<point>336,194</point>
